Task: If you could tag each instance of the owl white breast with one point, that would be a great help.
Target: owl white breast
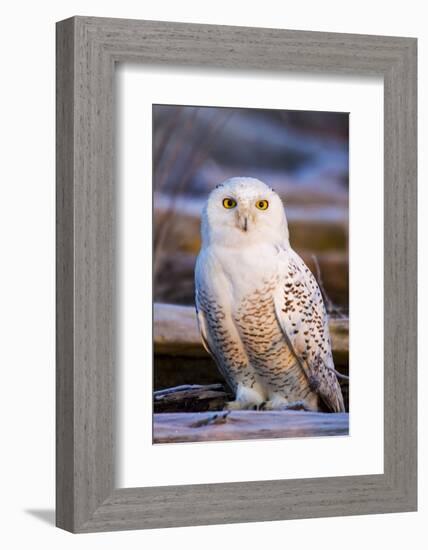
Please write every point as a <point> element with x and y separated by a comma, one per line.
<point>260,311</point>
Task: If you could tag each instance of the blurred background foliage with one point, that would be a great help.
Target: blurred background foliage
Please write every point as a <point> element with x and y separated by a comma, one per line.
<point>303,155</point>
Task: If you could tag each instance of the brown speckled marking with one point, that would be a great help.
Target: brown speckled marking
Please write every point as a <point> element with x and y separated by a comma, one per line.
<point>229,357</point>
<point>266,347</point>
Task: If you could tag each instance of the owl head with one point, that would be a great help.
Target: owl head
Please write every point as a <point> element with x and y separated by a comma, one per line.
<point>243,211</point>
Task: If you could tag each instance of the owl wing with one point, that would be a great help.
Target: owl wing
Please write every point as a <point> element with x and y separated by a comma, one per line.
<point>219,335</point>
<point>218,338</point>
<point>203,330</point>
<point>303,319</point>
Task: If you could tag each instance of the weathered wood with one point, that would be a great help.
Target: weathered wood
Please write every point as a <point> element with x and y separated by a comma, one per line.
<point>186,427</point>
<point>176,333</point>
<point>191,398</point>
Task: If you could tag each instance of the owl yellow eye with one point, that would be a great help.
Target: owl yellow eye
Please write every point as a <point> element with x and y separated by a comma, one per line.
<point>262,205</point>
<point>229,203</point>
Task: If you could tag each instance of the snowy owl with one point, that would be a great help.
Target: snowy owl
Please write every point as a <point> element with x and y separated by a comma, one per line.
<point>259,308</point>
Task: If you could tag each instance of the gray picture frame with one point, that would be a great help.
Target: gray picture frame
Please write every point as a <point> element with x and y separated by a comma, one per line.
<point>87,51</point>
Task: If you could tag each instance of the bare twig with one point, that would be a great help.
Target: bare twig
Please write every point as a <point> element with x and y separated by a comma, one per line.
<point>191,398</point>
<point>198,154</point>
<point>168,132</point>
<point>330,306</point>
<point>167,159</point>
<point>337,373</point>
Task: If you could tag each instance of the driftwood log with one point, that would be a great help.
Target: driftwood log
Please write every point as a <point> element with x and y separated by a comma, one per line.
<point>208,426</point>
<point>191,398</point>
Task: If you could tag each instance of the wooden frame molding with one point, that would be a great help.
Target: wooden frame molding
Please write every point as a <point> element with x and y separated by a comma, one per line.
<point>87,50</point>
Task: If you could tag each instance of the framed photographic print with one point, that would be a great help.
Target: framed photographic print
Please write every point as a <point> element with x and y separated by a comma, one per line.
<point>236,274</point>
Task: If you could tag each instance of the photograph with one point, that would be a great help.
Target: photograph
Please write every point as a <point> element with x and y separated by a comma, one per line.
<point>250,273</point>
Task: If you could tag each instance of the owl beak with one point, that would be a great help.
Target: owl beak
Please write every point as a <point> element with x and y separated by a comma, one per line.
<point>242,223</point>
<point>243,216</point>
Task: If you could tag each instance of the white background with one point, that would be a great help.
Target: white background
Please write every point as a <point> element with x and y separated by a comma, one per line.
<point>362,451</point>
<point>27,272</point>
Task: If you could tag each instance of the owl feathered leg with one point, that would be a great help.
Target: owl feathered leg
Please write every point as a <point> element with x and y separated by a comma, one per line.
<point>247,398</point>
<point>295,406</point>
<point>279,403</point>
